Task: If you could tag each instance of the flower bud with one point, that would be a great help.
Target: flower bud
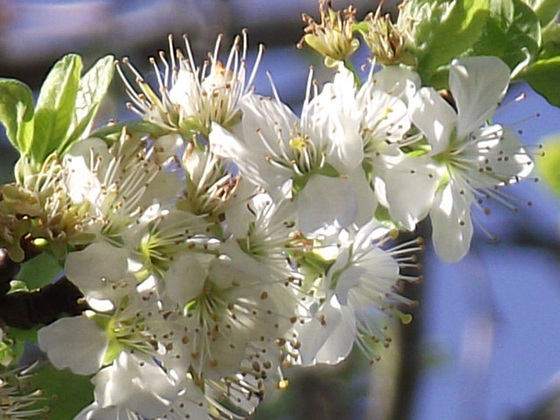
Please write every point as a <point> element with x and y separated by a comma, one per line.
<point>333,37</point>
<point>385,40</point>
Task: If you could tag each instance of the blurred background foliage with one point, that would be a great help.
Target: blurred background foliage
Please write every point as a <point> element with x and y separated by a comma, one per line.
<point>485,340</point>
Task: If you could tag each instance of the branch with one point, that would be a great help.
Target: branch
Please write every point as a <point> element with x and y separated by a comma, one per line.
<point>27,309</point>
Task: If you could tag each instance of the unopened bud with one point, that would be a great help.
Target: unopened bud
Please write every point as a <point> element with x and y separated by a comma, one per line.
<point>334,36</point>
<point>385,40</point>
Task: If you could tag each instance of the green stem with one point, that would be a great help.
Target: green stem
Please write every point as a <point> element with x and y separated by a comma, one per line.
<point>348,64</point>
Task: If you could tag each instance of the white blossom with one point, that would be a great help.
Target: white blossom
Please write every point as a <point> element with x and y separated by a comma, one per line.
<point>360,292</point>
<point>475,157</point>
<point>193,97</point>
<point>302,157</point>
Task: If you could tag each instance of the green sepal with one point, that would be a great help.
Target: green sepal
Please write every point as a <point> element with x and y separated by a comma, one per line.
<point>16,113</point>
<point>367,166</point>
<point>549,164</point>
<point>418,151</point>
<point>512,32</point>
<point>442,31</point>
<point>112,352</point>
<point>361,27</point>
<point>55,107</point>
<point>382,214</point>
<point>18,286</point>
<point>313,266</point>
<point>66,393</point>
<point>383,217</point>
<point>106,323</point>
<point>300,182</point>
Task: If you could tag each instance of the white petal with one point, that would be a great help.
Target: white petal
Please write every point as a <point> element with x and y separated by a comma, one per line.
<point>396,81</point>
<point>509,160</point>
<point>82,184</point>
<point>477,85</point>
<point>76,343</point>
<point>386,117</point>
<point>96,268</point>
<point>166,147</point>
<point>248,156</point>
<point>371,232</point>
<point>164,187</point>
<point>190,403</point>
<point>364,196</point>
<point>95,412</point>
<point>273,120</point>
<point>452,227</point>
<point>137,384</point>
<point>330,341</point>
<point>347,144</point>
<point>328,203</point>
<point>184,279</point>
<point>410,184</point>
<point>349,279</point>
<point>332,120</point>
<point>434,117</point>
<point>185,91</point>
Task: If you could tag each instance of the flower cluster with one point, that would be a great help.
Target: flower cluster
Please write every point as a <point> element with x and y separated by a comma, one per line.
<point>235,238</point>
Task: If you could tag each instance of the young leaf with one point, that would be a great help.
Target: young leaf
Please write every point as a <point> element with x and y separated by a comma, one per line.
<point>67,394</point>
<point>542,75</point>
<point>443,30</point>
<point>113,132</point>
<point>512,27</point>
<point>549,164</point>
<point>55,106</point>
<point>92,89</point>
<point>39,271</point>
<point>16,113</point>
<point>550,41</point>
<point>546,10</point>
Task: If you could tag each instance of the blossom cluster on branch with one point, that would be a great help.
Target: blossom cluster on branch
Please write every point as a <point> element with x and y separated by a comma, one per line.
<point>224,238</point>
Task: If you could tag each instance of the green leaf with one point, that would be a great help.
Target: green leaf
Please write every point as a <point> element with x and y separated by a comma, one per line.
<point>19,339</point>
<point>66,392</point>
<point>550,41</point>
<point>16,113</point>
<point>92,89</point>
<point>442,31</point>
<point>113,132</point>
<point>549,164</point>
<point>546,10</point>
<point>39,271</point>
<point>55,107</point>
<point>542,76</point>
<point>512,26</point>
<point>29,336</point>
